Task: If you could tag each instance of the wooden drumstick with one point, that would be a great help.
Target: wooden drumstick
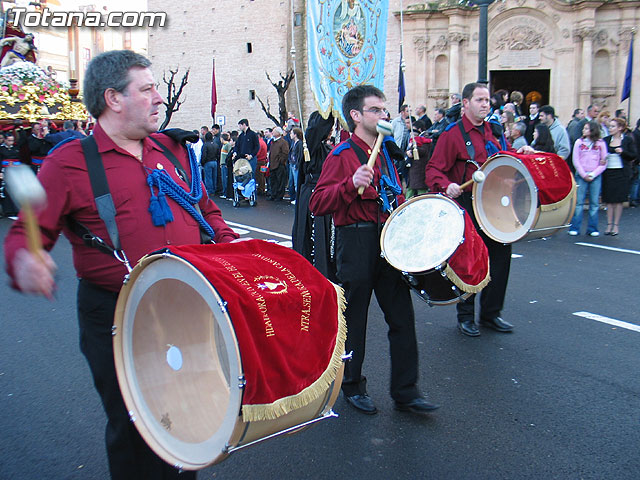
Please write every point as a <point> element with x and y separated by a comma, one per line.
<point>27,193</point>
<point>478,177</point>
<point>383,128</point>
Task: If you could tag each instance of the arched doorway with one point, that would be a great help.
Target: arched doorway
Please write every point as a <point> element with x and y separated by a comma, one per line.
<point>525,81</point>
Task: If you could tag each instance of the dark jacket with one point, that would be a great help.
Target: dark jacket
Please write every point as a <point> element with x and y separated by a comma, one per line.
<point>210,152</point>
<point>247,144</point>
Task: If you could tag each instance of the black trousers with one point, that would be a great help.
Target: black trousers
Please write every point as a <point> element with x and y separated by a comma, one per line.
<point>491,296</point>
<point>277,182</point>
<point>128,454</point>
<point>362,271</point>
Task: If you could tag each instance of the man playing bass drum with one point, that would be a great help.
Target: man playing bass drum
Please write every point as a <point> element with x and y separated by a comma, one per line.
<point>450,166</point>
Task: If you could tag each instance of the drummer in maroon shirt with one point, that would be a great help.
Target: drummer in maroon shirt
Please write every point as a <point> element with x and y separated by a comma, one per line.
<point>360,269</point>
<point>120,91</point>
<point>448,168</point>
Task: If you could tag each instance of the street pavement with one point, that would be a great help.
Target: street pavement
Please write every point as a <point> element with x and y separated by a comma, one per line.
<point>557,399</point>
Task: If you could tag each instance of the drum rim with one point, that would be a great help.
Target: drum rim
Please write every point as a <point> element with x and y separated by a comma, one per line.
<point>483,222</point>
<point>405,205</point>
<point>176,452</point>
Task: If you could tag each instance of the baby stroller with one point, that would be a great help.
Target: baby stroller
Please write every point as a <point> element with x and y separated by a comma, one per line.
<point>244,185</point>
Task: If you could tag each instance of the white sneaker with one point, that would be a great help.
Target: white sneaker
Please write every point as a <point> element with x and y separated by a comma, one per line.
<point>594,234</point>
<point>573,233</point>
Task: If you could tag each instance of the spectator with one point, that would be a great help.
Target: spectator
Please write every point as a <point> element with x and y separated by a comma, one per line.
<point>227,147</point>
<point>263,167</point>
<point>531,121</point>
<point>517,98</point>
<point>542,139</point>
<point>634,193</point>
<point>68,132</point>
<point>421,113</point>
<point>603,119</point>
<point>296,157</point>
<point>278,165</point>
<point>517,135</point>
<point>615,179</point>
<point>399,126</point>
<point>558,132</point>
<point>247,145</point>
<point>589,160</point>
<point>454,111</point>
<point>438,127</point>
<point>209,160</point>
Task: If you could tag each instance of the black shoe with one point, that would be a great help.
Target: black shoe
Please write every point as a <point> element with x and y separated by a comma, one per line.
<point>418,406</point>
<point>497,324</point>
<point>469,328</point>
<point>362,403</point>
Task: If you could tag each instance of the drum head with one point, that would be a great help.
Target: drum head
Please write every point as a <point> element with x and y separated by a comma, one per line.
<point>423,233</point>
<point>506,203</point>
<point>177,361</point>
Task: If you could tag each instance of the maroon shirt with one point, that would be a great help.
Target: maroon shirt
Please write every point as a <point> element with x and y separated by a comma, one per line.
<point>335,193</point>
<point>65,179</point>
<point>447,164</point>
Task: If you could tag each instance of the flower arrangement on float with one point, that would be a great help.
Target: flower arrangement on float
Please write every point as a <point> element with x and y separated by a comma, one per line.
<point>28,93</point>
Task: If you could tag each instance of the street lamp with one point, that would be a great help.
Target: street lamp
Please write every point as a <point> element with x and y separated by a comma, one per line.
<point>482,39</point>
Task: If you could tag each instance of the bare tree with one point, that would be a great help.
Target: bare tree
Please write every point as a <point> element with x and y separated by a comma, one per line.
<point>281,87</point>
<point>173,94</point>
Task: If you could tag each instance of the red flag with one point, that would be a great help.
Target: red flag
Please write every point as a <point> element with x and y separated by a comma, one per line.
<point>214,95</point>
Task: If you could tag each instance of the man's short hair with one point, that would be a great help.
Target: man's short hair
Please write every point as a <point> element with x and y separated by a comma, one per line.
<point>109,70</point>
<point>548,110</point>
<point>205,128</point>
<point>215,127</point>
<point>576,111</point>
<point>537,104</point>
<point>469,88</point>
<point>243,121</point>
<point>68,125</point>
<point>226,137</point>
<point>520,127</point>
<point>278,130</point>
<point>354,100</point>
<point>298,132</point>
<point>208,137</point>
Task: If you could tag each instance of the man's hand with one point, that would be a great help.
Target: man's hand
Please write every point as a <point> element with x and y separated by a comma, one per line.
<point>527,149</point>
<point>363,176</point>
<point>454,190</point>
<point>34,273</point>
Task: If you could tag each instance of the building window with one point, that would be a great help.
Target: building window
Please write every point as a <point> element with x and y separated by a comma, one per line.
<point>249,47</point>
<point>252,94</point>
<point>297,20</point>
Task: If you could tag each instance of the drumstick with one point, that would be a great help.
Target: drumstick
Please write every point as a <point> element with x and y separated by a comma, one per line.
<point>383,128</point>
<point>478,177</point>
<point>27,192</point>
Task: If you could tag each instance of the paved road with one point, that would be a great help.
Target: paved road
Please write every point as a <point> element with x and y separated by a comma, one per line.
<point>557,399</point>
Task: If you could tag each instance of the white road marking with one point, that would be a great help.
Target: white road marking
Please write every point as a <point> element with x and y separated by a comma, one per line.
<point>610,321</point>
<point>241,231</point>
<point>259,230</point>
<point>604,247</point>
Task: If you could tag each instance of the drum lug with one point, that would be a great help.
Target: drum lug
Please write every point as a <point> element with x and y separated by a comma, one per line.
<point>410,279</point>
<point>242,382</point>
<point>114,330</point>
<point>178,467</point>
<point>223,305</point>
<point>347,356</point>
<point>132,416</point>
<point>425,296</point>
<point>126,279</point>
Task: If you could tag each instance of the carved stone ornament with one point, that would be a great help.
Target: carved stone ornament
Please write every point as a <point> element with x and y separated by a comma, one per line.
<point>601,38</point>
<point>421,43</point>
<point>521,38</point>
<point>457,37</point>
<point>566,33</point>
<point>584,33</point>
<point>441,45</point>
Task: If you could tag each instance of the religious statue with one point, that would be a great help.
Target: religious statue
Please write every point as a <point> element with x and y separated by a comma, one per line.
<point>20,49</point>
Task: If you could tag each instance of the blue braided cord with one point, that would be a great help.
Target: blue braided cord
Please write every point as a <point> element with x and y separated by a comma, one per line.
<point>386,182</point>
<point>164,183</point>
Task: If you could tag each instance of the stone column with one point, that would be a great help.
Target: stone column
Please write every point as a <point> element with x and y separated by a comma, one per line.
<point>455,38</point>
<point>420,43</point>
<point>587,35</point>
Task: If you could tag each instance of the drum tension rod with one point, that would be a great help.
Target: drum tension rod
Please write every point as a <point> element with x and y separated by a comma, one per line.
<point>228,449</point>
<point>347,356</point>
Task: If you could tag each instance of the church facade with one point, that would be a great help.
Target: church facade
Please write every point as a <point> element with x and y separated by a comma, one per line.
<point>570,53</point>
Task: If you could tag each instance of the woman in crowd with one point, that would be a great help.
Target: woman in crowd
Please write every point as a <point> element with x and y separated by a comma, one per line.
<point>603,120</point>
<point>542,139</point>
<point>590,160</point>
<point>615,179</point>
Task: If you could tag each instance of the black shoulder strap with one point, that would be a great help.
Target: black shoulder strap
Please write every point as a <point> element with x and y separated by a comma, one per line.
<point>467,141</point>
<point>362,156</point>
<point>100,187</point>
<point>172,158</point>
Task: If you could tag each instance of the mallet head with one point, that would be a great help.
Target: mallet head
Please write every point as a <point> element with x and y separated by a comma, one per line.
<point>24,187</point>
<point>384,128</point>
<point>478,176</point>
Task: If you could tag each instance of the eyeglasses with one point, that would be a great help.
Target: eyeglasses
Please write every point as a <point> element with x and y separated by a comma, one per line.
<point>376,111</point>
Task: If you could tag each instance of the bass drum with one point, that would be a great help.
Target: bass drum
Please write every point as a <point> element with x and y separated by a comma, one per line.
<point>180,368</point>
<point>509,204</point>
<point>418,239</point>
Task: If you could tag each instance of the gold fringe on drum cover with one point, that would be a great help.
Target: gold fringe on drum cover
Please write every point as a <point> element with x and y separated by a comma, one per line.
<point>282,406</point>
<point>465,287</point>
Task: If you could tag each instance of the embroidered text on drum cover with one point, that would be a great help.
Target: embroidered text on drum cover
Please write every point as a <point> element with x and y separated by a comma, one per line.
<point>260,300</point>
<point>305,314</point>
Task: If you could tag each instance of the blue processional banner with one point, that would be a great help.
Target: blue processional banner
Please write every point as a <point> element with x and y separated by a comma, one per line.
<point>346,42</point>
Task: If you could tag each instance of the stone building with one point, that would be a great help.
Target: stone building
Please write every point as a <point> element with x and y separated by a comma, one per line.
<point>572,52</point>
